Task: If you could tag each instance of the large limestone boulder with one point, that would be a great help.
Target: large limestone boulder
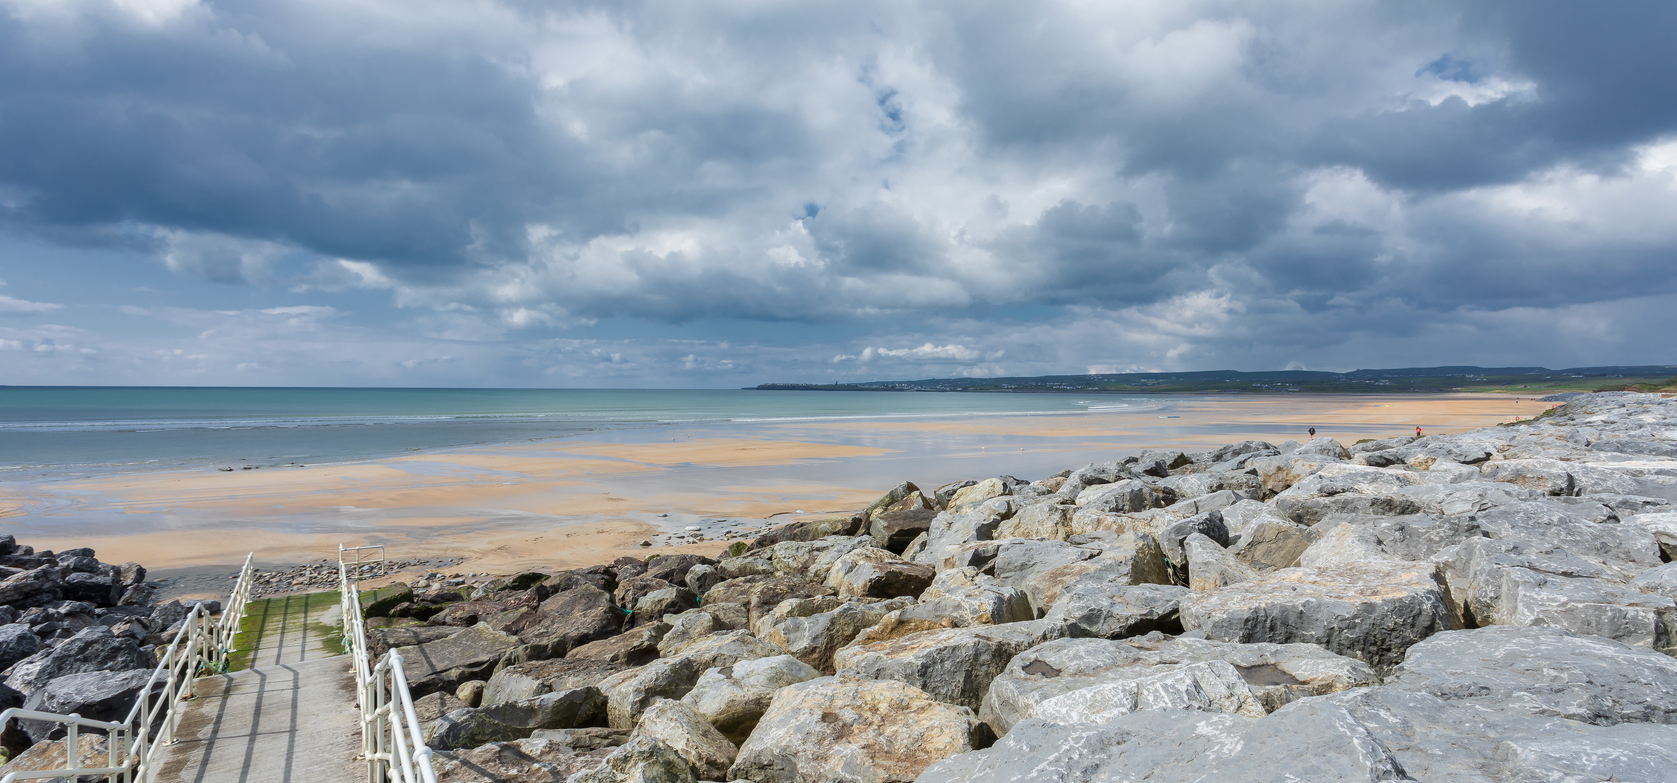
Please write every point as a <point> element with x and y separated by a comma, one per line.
<point>1157,672</point>
<point>686,628</point>
<point>1121,497</point>
<point>733,698</point>
<point>980,492</point>
<point>1663,527</point>
<point>1210,566</point>
<point>643,759</point>
<point>1369,611</point>
<point>16,644</point>
<point>1544,672</point>
<point>92,752</point>
<point>761,594</point>
<point>630,692</point>
<point>383,640</point>
<point>904,522</point>
<point>92,649</point>
<point>442,665</point>
<point>570,619</point>
<point>518,761</point>
<point>470,727</point>
<point>814,629</point>
<point>1273,544</point>
<point>801,557</point>
<point>1415,537</point>
<point>658,604</point>
<point>35,587</point>
<point>528,680</point>
<point>846,730</point>
<point>1540,584</point>
<point>1112,611</point>
<point>1130,559</point>
<point>810,530</point>
<point>1625,549</point>
<point>1279,473</point>
<point>1046,521</point>
<point>958,598</point>
<point>630,648</point>
<point>956,528</point>
<point>1658,581</point>
<point>1308,742</point>
<point>1436,739</point>
<point>877,573</point>
<point>1017,560</point>
<point>104,696</point>
<point>677,725</point>
<point>954,665</point>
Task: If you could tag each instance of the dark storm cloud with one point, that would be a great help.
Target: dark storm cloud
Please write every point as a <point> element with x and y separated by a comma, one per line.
<point>1270,170</point>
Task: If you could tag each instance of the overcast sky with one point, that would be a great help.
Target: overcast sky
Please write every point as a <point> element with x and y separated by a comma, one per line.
<point>718,194</point>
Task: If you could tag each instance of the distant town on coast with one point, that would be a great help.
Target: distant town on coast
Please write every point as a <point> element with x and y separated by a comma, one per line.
<point>1647,378</point>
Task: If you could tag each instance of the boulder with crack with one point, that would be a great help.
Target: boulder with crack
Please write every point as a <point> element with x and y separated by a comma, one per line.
<point>1369,611</point>
<point>469,727</point>
<point>1527,583</point>
<point>1272,674</point>
<point>640,760</point>
<point>518,761</point>
<point>733,698</point>
<point>1130,559</point>
<point>1544,672</point>
<point>677,725</point>
<point>1210,566</point>
<point>1305,741</point>
<point>813,629</point>
<point>630,692</point>
<point>877,573</point>
<point>957,598</point>
<point>954,665</point>
<point>847,730</point>
<point>956,528</point>
<point>1113,611</point>
<point>528,680</point>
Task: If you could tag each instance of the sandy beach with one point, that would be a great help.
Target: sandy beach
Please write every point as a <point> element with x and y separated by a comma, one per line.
<point>587,499</point>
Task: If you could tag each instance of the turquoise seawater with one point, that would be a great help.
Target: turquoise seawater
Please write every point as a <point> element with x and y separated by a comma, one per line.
<point>52,431</point>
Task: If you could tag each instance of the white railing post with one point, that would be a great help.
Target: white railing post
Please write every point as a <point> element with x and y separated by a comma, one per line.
<point>390,739</point>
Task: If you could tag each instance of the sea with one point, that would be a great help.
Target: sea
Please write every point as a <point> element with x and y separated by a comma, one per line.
<point>63,432</point>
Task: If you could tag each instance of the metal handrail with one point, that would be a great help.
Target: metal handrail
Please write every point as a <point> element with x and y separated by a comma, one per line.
<point>202,643</point>
<point>390,737</point>
<point>359,560</point>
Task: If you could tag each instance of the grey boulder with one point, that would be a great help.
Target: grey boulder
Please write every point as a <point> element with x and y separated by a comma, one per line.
<point>846,730</point>
<point>1369,611</point>
<point>1544,672</point>
<point>640,760</point>
<point>1152,672</point>
<point>92,649</point>
<point>733,698</point>
<point>954,665</point>
<point>677,725</point>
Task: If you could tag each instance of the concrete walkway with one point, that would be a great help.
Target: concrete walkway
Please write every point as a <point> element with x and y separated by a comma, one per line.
<point>288,629</point>
<point>286,722</point>
<point>292,716</point>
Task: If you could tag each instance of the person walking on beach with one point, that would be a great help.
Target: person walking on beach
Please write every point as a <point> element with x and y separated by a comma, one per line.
<point>1312,432</point>
<point>1418,433</point>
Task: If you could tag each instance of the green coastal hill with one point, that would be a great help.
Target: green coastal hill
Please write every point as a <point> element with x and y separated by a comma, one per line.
<point>1510,380</point>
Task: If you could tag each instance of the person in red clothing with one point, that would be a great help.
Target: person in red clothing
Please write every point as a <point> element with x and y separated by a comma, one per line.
<point>1418,432</point>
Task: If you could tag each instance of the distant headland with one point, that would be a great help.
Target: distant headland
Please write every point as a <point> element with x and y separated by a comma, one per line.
<point>1511,380</point>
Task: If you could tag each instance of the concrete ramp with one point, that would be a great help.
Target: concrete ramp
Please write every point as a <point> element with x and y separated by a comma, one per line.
<point>291,716</point>
<point>285,722</point>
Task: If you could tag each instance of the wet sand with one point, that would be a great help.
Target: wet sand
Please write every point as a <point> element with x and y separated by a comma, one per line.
<point>588,499</point>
